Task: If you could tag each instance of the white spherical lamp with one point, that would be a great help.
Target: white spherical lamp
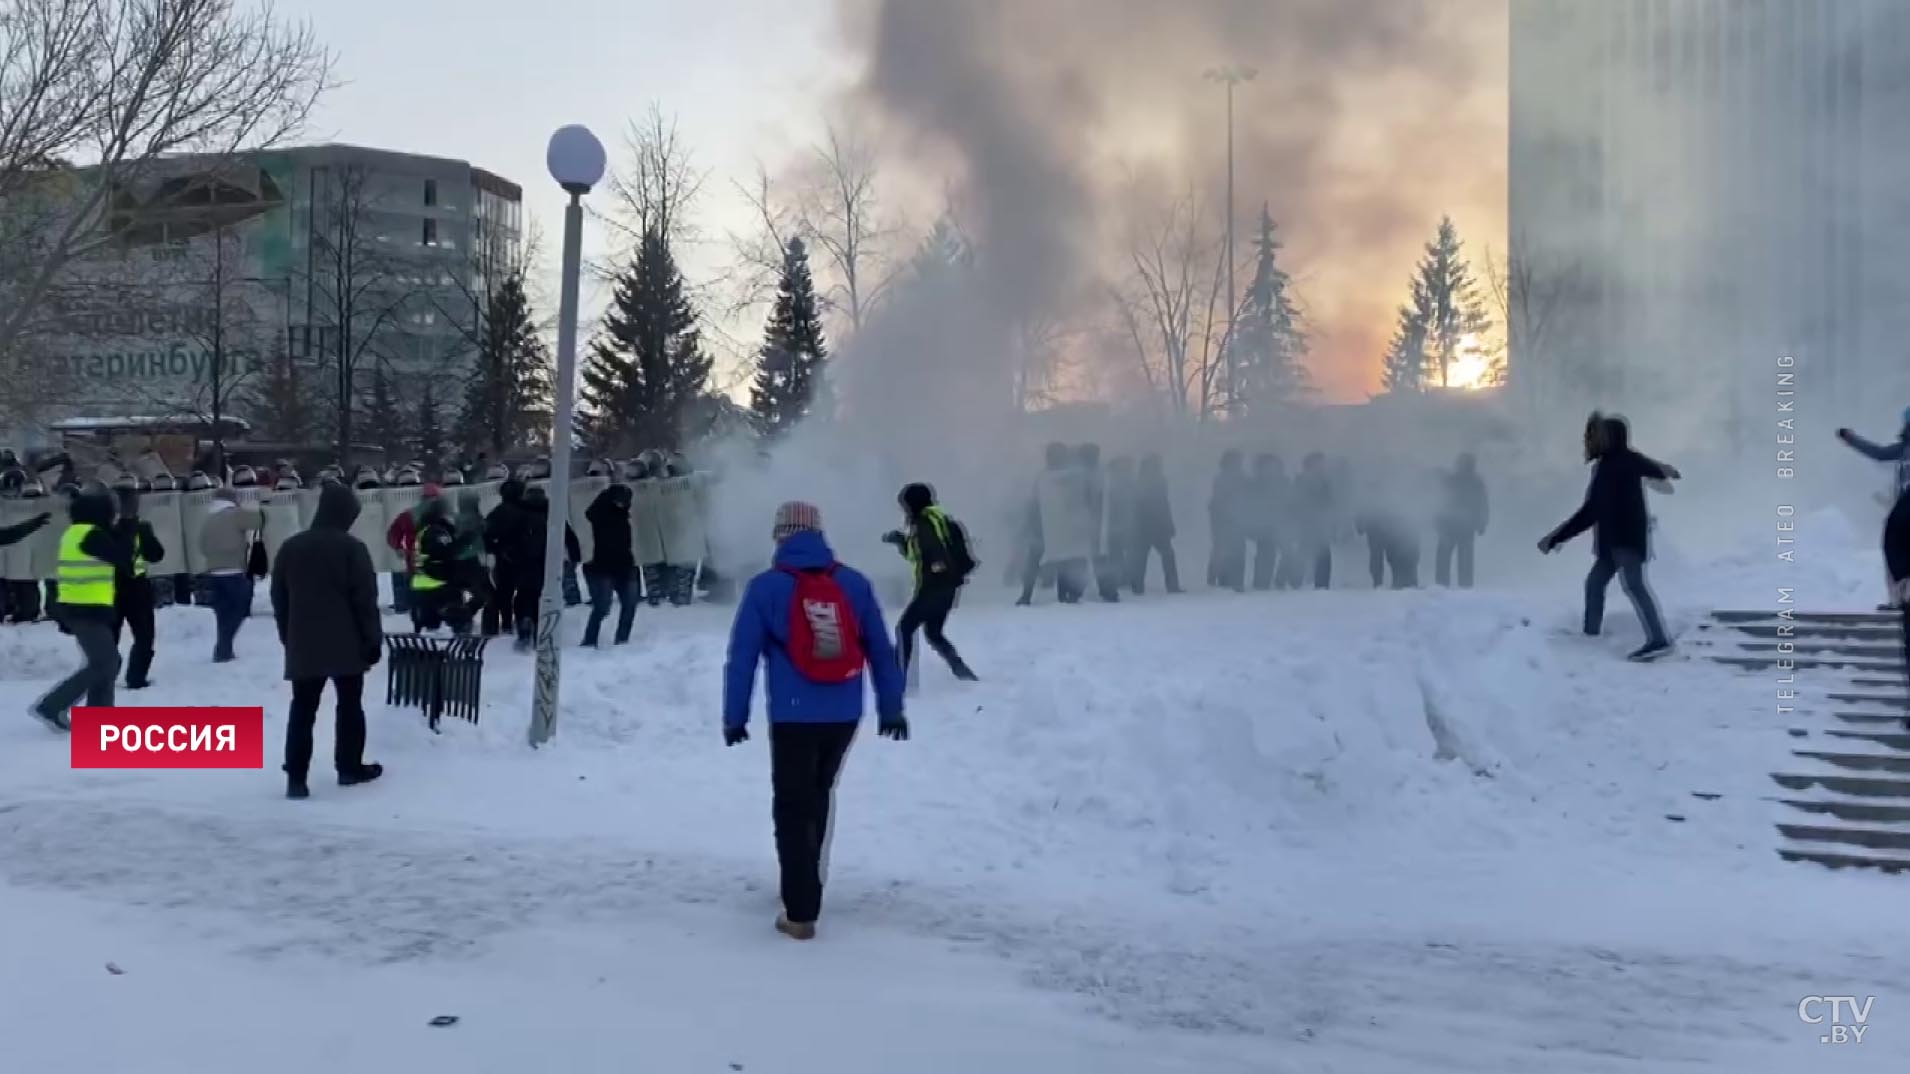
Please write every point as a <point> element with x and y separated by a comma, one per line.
<point>575,158</point>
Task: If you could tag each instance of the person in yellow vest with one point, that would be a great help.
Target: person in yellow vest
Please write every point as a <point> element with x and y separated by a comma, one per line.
<point>91,558</point>
<point>936,547</point>
<point>133,591</point>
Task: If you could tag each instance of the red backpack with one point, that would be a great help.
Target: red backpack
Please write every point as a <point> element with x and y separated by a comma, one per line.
<point>825,643</point>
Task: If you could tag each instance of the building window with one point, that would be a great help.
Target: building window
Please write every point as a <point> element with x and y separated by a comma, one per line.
<point>430,193</point>
<point>430,232</point>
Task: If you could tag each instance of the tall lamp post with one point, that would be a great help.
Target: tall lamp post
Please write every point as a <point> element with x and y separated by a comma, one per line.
<point>576,160</point>
<point>1230,77</point>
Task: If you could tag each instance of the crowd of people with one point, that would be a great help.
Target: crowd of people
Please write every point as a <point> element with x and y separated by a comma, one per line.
<point>814,623</point>
<point>1089,527</point>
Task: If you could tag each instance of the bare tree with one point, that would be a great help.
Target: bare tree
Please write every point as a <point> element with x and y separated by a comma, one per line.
<point>1170,308</point>
<point>1529,292</point>
<point>655,189</point>
<point>357,289</point>
<point>759,251</point>
<point>842,211</point>
<point>119,84</point>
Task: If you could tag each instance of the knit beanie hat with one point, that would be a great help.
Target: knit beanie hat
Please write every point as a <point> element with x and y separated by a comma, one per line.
<point>796,517</point>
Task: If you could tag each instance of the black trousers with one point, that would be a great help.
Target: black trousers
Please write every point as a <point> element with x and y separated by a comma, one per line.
<point>501,614</point>
<point>348,748</point>
<point>94,679</point>
<point>804,760</point>
<point>1266,557</point>
<point>1454,544</point>
<point>1170,567</point>
<point>134,610</point>
<point>928,612</point>
<point>23,603</point>
<point>530,593</point>
<point>1227,565</point>
<point>621,586</point>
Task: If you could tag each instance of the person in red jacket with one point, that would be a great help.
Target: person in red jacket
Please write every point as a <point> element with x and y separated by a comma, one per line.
<point>402,536</point>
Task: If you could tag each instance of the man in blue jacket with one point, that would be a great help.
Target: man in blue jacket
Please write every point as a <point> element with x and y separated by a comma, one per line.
<point>816,623</point>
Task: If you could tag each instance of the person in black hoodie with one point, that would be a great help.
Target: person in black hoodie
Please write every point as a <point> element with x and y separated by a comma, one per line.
<point>92,557</point>
<point>1153,527</point>
<point>612,570</point>
<point>936,547</point>
<point>133,591</point>
<point>527,555</point>
<point>501,531</point>
<point>325,602</point>
<point>1614,509</point>
<point>1462,519</point>
<point>1227,519</point>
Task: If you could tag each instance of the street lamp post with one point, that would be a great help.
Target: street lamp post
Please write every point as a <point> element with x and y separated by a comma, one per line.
<point>576,160</point>
<point>1230,77</point>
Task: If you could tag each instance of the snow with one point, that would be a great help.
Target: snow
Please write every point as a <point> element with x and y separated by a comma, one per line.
<point>1346,831</point>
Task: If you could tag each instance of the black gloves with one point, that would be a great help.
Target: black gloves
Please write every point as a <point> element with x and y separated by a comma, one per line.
<point>894,537</point>
<point>894,727</point>
<point>733,735</point>
<point>1546,544</point>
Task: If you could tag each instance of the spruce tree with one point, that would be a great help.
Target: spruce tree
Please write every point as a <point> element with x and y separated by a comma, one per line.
<point>790,364</point>
<point>384,420</point>
<point>430,430</point>
<point>1405,365</point>
<point>1454,309</point>
<point>507,401</point>
<point>278,403</point>
<point>647,366</point>
<point>1268,340</point>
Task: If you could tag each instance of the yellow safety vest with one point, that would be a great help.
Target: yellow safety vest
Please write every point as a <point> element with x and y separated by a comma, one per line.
<point>84,581</point>
<point>939,521</point>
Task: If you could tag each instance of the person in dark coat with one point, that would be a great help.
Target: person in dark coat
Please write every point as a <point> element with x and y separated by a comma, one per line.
<point>1153,527</point>
<point>1227,510</point>
<point>937,550</point>
<point>501,531</point>
<point>1267,500</point>
<point>1463,512</point>
<point>1316,510</point>
<point>1104,564</point>
<point>325,602</point>
<point>527,553</point>
<point>1898,521</point>
<point>1392,543</point>
<point>88,572</point>
<point>612,571</point>
<point>133,591</point>
<point>1614,509</point>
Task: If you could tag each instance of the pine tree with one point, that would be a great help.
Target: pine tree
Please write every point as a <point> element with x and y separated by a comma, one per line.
<point>430,431</point>
<point>507,401</point>
<point>1405,365</point>
<point>647,366</point>
<point>1455,311</point>
<point>1269,341</point>
<point>384,423</point>
<point>278,403</point>
<point>790,364</point>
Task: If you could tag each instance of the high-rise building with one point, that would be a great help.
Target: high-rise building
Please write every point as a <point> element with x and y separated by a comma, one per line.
<point>284,259</point>
<point>1700,188</point>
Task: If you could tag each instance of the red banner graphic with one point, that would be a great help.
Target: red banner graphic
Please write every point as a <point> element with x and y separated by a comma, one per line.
<point>168,738</point>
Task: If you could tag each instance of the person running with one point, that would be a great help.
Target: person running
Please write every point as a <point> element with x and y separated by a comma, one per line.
<point>1614,509</point>
<point>91,559</point>
<point>937,548</point>
<point>611,573</point>
<point>1898,521</point>
<point>325,602</point>
<point>818,626</point>
<point>133,591</point>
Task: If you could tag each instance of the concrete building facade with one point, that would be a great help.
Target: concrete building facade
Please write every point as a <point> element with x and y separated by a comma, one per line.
<point>1700,188</point>
<point>277,261</point>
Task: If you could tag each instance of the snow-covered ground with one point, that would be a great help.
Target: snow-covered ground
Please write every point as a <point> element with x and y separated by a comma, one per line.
<point>1347,831</point>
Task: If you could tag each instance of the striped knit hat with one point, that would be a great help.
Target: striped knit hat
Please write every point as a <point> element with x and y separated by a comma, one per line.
<point>796,517</point>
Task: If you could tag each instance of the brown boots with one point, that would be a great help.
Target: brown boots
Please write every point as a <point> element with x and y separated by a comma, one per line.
<point>795,930</point>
